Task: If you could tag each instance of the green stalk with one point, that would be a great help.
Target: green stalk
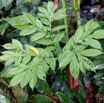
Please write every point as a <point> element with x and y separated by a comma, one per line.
<point>76,5</point>
<point>65,19</point>
<point>78,18</point>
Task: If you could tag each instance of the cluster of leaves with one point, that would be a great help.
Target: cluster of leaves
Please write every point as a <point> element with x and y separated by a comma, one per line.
<point>22,68</point>
<point>99,66</point>
<point>5,3</point>
<point>41,33</point>
<point>27,65</point>
<point>80,47</point>
<point>13,8</point>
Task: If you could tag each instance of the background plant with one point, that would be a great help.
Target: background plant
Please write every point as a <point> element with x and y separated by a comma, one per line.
<point>40,33</point>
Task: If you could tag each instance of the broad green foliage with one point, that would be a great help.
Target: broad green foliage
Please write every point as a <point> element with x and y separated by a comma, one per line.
<point>5,3</point>
<point>80,47</point>
<point>26,64</point>
<point>3,27</point>
<point>27,67</point>
<point>43,35</point>
<point>99,66</point>
<point>40,28</point>
<point>41,99</point>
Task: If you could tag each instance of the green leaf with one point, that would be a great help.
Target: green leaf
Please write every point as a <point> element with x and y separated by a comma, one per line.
<point>40,73</point>
<point>29,18</point>
<point>89,64</point>
<point>58,27</point>
<point>91,52</point>
<point>16,79</point>
<point>99,75</point>
<point>33,82</point>
<point>90,26</point>
<point>44,11</point>
<point>63,98</point>
<point>18,20</point>
<point>39,98</point>
<point>27,31</point>
<point>78,34</point>
<point>40,86</point>
<point>65,58</point>
<point>59,36</point>
<point>5,72</point>
<point>44,41</point>
<point>91,23</point>
<point>74,67</point>
<point>16,70</point>
<point>86,65</point>
<point>51,62</point>
<point>1,6</point>
<point>50,6</point>
<point>23,27</point>
<point>37,60</point>
<point>6,57</point>
<point>9,46</point>
<point>69,44</point>
<point>3,27</point>
<point>82,68</point>
<point>50,48</point>
<point>60,14</point>
<point>17,43</point>
<point>79,48</point>
<point>39,24</point>
<point>78,96</point>
<point>26,59</point>
<point>42,15</point>
<point>65,39</point>
<point>45,66</point>
<point>94,43</point>
<point>26,78</point>
<point>8,52</point>
<point>43,53</point>
<point>37,36</point>
<point>99,34</point>
<point>45,21</point>
<point>5,3</point>
<point>20,2</point>
<point>18,60</point>
<point>10,61</point>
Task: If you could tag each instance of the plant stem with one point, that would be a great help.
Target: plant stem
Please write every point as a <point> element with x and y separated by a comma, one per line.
<point>65,19</point>
<point>78,18</point>
<point>76,82</point>
<point>70,78</point>
<point>56,3</point>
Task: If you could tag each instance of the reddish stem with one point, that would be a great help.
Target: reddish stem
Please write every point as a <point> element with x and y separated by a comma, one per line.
<point>76,84</point>
<point>56,3</point>
<point>54,99</point>
<point>70,78</point>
